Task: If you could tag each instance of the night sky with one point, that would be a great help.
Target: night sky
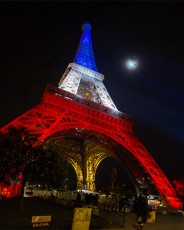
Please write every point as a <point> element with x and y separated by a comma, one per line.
<point>39,40</point>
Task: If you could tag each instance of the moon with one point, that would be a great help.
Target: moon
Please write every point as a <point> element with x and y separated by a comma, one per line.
<point>131,64</point>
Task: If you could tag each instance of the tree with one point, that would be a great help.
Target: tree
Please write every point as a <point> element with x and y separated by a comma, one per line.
<point>14,147</point>
<point>179,186</point>
<point>39,164</point>
<point>46,166</point>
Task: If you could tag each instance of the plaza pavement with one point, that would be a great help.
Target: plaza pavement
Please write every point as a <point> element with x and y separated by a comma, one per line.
<point>163,222</point>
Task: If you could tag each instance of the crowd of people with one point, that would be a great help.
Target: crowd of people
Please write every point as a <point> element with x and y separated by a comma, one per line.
<point>90,199</point>
<point>140,206</point>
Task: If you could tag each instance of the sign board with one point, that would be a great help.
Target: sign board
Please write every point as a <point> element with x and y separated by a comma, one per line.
<point>41,221</point>
<point>81,219</point>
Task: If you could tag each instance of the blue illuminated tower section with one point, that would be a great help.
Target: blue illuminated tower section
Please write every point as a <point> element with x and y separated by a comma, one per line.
<point>85,55</point>
<point>82,77</point>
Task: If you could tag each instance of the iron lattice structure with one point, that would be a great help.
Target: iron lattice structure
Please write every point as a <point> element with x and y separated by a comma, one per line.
<point>81,108</point>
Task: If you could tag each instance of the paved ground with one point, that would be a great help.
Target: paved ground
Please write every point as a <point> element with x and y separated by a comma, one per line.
<point>163,222</point>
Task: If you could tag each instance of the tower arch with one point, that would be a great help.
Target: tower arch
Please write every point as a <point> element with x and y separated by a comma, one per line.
<point>103,147</point>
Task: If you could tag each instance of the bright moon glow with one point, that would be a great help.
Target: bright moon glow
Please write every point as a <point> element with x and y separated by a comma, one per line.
<point>131,64</point>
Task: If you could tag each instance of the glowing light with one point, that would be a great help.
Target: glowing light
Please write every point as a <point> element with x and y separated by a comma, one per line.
<point>131,64</point>
<point>85,54</point>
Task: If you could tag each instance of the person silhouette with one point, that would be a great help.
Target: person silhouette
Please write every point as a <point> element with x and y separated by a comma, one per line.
<point>141,210</point>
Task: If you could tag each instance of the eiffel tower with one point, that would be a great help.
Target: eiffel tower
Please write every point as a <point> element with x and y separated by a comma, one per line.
<point>81,113</point>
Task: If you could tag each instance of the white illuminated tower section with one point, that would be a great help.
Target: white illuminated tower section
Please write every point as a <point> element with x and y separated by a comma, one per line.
<point>82,77</point>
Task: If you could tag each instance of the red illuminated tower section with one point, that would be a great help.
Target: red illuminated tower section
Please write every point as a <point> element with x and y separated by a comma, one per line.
<point>81,104</point>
